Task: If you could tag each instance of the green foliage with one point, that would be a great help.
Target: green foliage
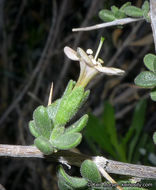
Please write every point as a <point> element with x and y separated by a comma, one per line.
<point>48,124</point>
<point>42,122</point>
<point>135,128</point>
<point>103,132</point>
<point>91,180</point>
<point>147,79</point>
<point>153,94</point>
<point>68,106</point>
<point>154,137</point>
<point>90,172</point>
<point>78,125</point>
<point>146,9</point>
<point>106,15</point>
<point>150,62</point>
<point>125,10</point>
<point>67,141</point>
<point>133,11</point>
<point>44,145</point>
<point>66,182</point>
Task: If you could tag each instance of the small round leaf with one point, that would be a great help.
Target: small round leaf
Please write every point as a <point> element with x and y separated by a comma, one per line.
<point>78,125</point>
<point>154,137</point>
<point>33,129</point>
<point>65,181</point>
<point>67,141</point>
<point>44,145</point>
<point>133,11</point>
<point>153,94</point>
<point>114,9</point>
<point>106,15</point>
<point>90,172</point>
<point>125,5</point>
<point>52,109</point>
<point>146,79</point>
<point>146,6</point>
<point>150,62</point>
<point>42,121</point>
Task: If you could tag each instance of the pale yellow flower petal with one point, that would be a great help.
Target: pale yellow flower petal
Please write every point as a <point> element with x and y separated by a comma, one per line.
<point>83,56</point>
<point>110,70</point>
<point>70,53</point>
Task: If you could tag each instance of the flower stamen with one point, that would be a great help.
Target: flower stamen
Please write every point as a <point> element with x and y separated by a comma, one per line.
<point>99,48</point>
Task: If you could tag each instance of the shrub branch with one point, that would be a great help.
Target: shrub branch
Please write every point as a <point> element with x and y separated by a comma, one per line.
<point>71,158</point>
<point>108,24</point>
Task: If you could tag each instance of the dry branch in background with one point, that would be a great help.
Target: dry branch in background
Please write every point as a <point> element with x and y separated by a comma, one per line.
<point>72,158</point>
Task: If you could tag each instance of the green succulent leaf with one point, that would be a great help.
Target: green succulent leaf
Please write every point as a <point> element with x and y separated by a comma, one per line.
<point>146,9</point>
<point>146,79</point>
<point>42,121</point>
<point>67,182</point>
<point>68,106</point>
<point>117,12</point>
<point>145,6</point>
<point>78,125</point>
<point>154,137</point>
<point>133,11</point>
<point>106,15</point>
<point>52,109</point>
<point>120,15</point>
<point>69,88</point>
<point>67,141</point>
<point>44,145</point>
<point>114,9</point>
<point>153,94</point>
<point>90,172</point>
<point>33,129</point>
<point>63,185</point>
<point>85,97</point>
<point>125,5</point>
<point>56,132</point>
<point>150,62</point>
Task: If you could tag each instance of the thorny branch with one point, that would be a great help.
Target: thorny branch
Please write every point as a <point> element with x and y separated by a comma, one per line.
<point>75,159</point>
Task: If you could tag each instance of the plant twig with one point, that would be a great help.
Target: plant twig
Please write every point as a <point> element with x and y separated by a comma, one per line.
<point>99,160</point>
<point>76,159</point>
<point>153,19</point>
<point>108,24</point>
<point>1,187</point>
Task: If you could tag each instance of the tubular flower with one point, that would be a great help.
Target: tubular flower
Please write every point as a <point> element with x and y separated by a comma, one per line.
<point>89,65</point>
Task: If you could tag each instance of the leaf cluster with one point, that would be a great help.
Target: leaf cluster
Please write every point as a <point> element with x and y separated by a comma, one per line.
<point>48,124</point>
<point>90,175</point>
<point>126,10</point>
<point>90,179</point>
<point>147,79</point>
<point>102,131</point>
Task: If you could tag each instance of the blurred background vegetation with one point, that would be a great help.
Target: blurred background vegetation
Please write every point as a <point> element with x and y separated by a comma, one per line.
<point>122,116</point>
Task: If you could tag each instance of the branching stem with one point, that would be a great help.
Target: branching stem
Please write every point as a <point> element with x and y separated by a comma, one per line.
<point>76,159</point>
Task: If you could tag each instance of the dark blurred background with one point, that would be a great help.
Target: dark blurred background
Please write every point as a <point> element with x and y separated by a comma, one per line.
<point>32,37</point>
